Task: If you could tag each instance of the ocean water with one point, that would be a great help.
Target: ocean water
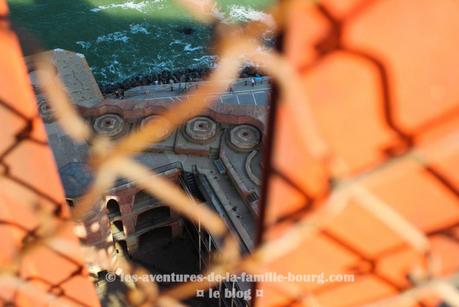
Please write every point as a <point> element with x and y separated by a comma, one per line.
<point>122,39</point>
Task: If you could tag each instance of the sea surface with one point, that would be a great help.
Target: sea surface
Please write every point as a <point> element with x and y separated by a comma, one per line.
<point>122,39</point>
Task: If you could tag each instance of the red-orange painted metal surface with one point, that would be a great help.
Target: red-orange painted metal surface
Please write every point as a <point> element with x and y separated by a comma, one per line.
<point>52,273</point>
<point>381,78</point>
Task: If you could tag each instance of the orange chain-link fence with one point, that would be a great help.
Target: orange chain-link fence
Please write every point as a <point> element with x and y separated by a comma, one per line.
<point>41,261</point>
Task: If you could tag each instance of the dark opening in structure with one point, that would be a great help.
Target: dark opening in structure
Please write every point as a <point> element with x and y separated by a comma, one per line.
<point>156,236</point>
<point>152,217</point>
<point>113,207</point>
<point>117,226</point>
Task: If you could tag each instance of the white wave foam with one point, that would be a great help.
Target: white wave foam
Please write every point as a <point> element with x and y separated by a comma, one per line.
<point>205,60</point>
<point>121,36</point>
<point>111,37</point>
<point>177,42</point>
<point>84,45</point>
<point>187,47</point>
<point>138,6</point>
<point>138,28</point>
<point>190,48</point>
<point>242,13</point>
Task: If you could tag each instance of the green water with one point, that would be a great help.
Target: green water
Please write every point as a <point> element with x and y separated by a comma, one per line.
<point>121,39</point>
